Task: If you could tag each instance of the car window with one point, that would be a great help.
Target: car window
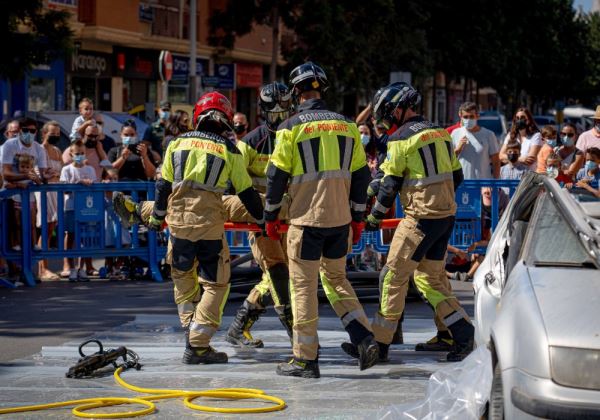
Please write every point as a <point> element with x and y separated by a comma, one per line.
<point>553,242</point>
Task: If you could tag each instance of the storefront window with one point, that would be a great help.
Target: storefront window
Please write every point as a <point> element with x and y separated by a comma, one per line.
<point>41,94</point>
<point>152,91</point>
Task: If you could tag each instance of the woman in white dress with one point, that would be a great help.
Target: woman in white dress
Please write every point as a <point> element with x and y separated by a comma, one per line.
<point>50,137</point>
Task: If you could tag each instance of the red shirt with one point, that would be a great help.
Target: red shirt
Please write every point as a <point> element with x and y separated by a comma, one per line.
<point>453,127</point>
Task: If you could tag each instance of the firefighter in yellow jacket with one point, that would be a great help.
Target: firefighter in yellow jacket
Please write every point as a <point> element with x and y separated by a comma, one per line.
<point>320,154</point>
<point>421,165</point>
<point>195,172</point>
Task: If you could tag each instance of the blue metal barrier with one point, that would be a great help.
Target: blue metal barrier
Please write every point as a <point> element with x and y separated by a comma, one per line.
<point>90,229</point>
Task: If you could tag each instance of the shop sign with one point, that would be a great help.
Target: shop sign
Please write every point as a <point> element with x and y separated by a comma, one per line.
<point>249,75</point>
<point>226,74</point>
<point>137,64</point>
<point>181,69</point>
<point>90,63</point>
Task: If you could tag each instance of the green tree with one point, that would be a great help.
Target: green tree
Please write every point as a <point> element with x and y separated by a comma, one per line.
<point>31,36</point>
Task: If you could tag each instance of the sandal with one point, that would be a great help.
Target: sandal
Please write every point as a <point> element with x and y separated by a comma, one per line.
<point>50,276</point>
<point>65,273</point>
<point>92,272</point>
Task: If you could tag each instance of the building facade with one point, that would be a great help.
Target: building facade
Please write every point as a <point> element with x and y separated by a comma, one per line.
<point>115,60</point>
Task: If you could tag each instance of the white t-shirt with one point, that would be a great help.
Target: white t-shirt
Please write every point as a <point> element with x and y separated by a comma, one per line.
<point>73,175</point>
<point>475,156</point>
<point>14,146</point>
<point>534,140</point>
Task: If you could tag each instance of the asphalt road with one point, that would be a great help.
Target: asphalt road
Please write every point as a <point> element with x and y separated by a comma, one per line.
<point>54,313</point>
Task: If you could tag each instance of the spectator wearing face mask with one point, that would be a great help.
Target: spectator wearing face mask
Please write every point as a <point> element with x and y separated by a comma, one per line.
<point>154,135</point>
<point>370,149</point>
<point>554,169</point>
<point>563,146</point>
<point>514,169</point>
<point>240,126</point>
<point>591,138</point>
<point>524,131</point>
<point>94,152</point>
<point>476,147</point>
<point>179,123</point>
<point>591,170</point>
<point>132,159</point>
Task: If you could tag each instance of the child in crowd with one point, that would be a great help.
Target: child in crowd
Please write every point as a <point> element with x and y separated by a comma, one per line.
<point>550,137</point>
<point>513,169</point>
<point>554,169</point>
<point>85,119</point>
<point>113,226</point>
<point>75,173</point>
<point>590,173</point>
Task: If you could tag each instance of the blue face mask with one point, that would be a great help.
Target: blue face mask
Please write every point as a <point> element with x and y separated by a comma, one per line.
<point>129,140</point>
<point>567,141</point>
<point>590,165</point>
<point>163,115</point>
<point>78,159</point>
<point>364,139</point>
<point>27,138</point>
<point>552,143</point>
<point>469,123</point>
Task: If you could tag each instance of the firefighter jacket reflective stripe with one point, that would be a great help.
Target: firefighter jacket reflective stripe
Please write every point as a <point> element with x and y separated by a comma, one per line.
<point>421,164</point>
<point>256,148</point>
<point>319,152</point>
<point>195,173</point>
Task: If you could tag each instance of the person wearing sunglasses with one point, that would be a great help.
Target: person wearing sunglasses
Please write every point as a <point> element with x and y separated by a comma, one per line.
<point>24,143</point>
<point>94,152</point>
<point>525,132</point>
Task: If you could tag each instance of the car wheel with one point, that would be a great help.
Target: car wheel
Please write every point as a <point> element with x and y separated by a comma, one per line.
<point>496,404</point>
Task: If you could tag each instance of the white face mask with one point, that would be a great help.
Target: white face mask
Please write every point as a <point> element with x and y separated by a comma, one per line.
<point>469,123</point>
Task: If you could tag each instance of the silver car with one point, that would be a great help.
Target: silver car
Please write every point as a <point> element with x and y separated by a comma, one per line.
<point>537,304</point>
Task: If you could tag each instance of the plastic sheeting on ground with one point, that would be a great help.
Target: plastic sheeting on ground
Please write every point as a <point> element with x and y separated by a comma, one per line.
<point>457,391</point>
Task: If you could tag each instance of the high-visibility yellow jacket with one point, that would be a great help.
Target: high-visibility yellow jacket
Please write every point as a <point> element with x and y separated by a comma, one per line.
<point>421,164</point>
<point>195,173</point>
<point>319,152</point>
<point>256,148</point>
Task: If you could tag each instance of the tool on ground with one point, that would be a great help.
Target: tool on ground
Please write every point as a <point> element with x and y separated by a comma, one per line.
<point>88,364</point>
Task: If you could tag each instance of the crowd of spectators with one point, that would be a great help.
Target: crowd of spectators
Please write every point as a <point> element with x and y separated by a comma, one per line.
<point>28,157</point>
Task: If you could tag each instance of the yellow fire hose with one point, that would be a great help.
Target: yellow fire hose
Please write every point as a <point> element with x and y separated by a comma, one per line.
<point>82,406</point>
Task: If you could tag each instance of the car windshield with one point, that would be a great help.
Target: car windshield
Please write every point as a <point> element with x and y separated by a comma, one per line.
<point>491,124</point>
<point>554,243</point>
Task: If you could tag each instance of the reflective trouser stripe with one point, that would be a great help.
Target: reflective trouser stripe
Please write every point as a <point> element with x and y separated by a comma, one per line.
<point>453,318</point>
<point>380,321</point>
<point>189,296</point>
<point>185,307</point>
<point>380,207</point>
<point>352,316</point>
<point>330,292</point>
<point>385,292</point>
<point>357,207</point>
<point>203,329</point>
<point>306,339</point>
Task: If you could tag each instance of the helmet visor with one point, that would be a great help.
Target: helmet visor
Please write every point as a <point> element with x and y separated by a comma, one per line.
<point>275,118</point>
<point>276,106</point>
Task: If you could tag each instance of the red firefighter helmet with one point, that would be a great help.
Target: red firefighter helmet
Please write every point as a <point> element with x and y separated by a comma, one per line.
<point>213,107</point>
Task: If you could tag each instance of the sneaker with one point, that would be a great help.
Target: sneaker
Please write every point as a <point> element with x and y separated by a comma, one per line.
<point>126,209</point>
<point>81,275</point>
<point>73,275</point>
<point>204,355</point>
<point>437,343</point>
<point>300,368</point>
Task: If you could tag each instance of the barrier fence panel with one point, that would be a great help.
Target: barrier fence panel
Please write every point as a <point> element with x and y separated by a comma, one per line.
<point>96,229</point>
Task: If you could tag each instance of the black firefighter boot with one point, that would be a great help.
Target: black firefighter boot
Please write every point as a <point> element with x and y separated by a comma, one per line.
<point>300,368</point>
<point>127,209</point>
<point>353,351</point>
<point>441,342</point>
<point>463,333</point>
<point>238,333</point>
<point>198,355</point>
